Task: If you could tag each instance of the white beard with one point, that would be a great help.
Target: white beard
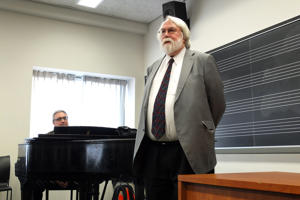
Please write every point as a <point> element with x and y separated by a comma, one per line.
<point>171,47</point>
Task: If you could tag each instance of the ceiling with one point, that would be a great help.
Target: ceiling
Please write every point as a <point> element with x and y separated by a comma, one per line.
<point>143,11</point>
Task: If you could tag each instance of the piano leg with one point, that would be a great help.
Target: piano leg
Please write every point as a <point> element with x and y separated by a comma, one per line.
<point>95,193</point>
<point>26,194</point>
<point>86,191</point>
<point>30,190</point>
<point>90,191</point>
<point>83,192</point>
<point>31,193</point>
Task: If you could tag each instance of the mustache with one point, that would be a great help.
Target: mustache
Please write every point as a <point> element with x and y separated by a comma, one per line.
<point>167,40</point>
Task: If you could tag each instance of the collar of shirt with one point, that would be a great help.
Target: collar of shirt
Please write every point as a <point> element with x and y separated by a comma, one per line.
<point>178,58</point>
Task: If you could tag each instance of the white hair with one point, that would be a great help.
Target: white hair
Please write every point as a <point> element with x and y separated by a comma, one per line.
<point>183,27</point>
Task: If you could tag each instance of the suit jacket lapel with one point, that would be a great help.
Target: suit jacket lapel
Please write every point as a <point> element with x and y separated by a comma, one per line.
<point>150,78</point>
<point>185,71</point>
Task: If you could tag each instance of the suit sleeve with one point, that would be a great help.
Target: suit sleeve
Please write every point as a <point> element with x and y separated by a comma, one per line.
<point>214,89</point>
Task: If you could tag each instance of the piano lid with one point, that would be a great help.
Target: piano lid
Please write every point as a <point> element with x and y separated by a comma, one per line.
<point>95,131</point>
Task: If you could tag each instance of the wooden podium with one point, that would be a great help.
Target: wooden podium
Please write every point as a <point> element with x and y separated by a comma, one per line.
<point>240,186</point>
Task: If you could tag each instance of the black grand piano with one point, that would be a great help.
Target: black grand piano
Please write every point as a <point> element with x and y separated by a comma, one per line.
<point>85,156</point>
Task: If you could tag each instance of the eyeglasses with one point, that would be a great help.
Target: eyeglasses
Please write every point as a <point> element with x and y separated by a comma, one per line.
<point>61,118</point>
<point>169,30</point>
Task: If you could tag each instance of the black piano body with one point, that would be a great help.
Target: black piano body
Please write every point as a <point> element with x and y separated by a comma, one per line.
<point>86,156</point>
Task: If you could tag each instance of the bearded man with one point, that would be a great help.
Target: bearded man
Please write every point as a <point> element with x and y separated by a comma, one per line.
<point>182,106</point>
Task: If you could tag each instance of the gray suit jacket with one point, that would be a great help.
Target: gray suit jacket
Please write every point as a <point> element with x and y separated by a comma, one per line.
<point>199,106</point>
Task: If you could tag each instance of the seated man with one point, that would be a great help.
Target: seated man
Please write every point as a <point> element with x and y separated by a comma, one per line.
<point>60,118</point>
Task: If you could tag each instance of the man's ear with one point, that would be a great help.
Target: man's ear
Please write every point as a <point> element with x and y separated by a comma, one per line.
<point>183,40</point>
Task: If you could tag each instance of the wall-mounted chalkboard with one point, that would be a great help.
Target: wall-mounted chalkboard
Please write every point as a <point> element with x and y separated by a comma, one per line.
<point>261,76</point>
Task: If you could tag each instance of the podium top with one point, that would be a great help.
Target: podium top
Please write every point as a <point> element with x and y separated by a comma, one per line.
<point>283,182</point>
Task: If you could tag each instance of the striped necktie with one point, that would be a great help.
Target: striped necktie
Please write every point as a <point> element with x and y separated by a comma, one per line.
<point>158,117</point>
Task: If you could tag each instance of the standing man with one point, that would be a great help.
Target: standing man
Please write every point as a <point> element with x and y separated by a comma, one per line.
<point>182,106</point>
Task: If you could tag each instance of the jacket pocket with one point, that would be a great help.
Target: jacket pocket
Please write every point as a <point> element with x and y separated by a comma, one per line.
<point>210,126</point>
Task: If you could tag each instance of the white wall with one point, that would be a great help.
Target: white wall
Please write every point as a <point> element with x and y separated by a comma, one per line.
<point>215,23</point>
<point>152,48</point>
<point>27,41</point>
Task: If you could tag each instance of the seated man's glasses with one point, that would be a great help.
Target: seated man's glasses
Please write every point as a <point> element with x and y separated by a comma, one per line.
<point>61,118</point>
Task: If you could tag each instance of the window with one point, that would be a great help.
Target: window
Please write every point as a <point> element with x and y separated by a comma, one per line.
<point>89,100</point>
